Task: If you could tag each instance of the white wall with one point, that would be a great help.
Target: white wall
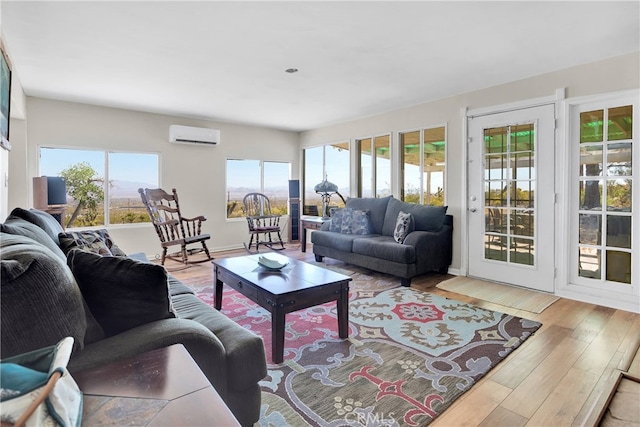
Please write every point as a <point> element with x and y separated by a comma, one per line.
<point>197,172</point>
<point>619,73</point>
<point>17,132</point>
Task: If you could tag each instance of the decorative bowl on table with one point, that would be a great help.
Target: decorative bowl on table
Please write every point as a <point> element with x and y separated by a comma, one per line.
<point>270,264</point>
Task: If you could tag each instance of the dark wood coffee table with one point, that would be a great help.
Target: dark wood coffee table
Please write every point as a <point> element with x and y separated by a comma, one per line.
<point>163,387</point>
<point>297,286</point>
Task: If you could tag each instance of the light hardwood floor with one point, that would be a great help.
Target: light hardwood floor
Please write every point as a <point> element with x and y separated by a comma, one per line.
<point>554,379</point>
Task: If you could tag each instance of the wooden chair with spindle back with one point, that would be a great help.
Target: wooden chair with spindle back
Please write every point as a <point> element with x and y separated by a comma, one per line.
<point>261,221</point>
<point>172,228</point>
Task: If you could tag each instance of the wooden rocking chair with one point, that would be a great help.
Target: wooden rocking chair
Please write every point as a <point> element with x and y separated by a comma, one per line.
<point>172,228</point>
<point>261,221</point>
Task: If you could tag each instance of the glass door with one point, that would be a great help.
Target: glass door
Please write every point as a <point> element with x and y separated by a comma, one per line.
<point>511,197</point>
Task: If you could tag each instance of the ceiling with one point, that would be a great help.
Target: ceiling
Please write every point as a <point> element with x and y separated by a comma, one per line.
<point>226,61</point>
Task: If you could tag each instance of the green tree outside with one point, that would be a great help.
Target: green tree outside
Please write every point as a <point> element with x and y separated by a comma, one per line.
<point>85,187</point>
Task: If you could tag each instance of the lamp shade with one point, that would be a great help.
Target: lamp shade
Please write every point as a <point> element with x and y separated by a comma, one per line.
<point>56,191</point>
<point>326,187</point>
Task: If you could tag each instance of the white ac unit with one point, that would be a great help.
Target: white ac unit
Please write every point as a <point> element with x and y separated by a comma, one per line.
<point>179,134</point>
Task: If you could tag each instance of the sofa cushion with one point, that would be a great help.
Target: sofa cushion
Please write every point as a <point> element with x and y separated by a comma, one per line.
<point>18,226</point>
<point>42,219</point>
<point>122,293</point>
<point>376,207</point>
<point>96,241</point>
<point>386,248</point>
<point>338,241</point>
<point>40,302</point>
<point>176,287</point>
<point>425,218</point>
<point>403,226</point>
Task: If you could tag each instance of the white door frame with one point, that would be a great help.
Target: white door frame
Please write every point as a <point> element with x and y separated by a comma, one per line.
<point>467,114</point>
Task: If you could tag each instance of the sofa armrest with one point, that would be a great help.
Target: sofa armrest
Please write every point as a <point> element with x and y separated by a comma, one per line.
<point>433,249</point>
<point>205,348</point>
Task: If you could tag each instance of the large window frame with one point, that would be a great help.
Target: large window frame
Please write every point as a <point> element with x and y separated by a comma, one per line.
<point>423,155</point>
<point>270,177</point>
<point>112,167</point>
<point>329,161</point>
<point>374,166</point>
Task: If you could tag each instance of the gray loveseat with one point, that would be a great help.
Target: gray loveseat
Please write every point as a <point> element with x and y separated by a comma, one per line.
<point>424,244</point>
<point>114,307</point>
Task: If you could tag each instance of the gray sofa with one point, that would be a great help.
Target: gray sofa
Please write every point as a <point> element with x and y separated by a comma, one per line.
<point>426,244</point>
<point>115,306</point>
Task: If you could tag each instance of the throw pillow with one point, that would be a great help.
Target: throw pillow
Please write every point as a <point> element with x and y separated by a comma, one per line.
<point>403,224</point>
<point>337,217</point>
<point>115,250</point>
<point>361,222</point>
<point>357,223</point>
<point>96,241</point>
<point>347,222</point>
<point>122,293</point>
<point>40,302</point>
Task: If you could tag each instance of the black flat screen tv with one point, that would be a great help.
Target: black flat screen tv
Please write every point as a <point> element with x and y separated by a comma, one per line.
<point>5,100</point>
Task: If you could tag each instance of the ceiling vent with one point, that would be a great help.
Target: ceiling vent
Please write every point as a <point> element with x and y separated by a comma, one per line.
<point>192,135</point>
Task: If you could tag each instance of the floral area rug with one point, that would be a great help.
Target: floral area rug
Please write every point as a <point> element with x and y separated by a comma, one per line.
<point>410,354</point>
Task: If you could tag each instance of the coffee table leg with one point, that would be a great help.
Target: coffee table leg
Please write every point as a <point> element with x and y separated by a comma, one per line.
<point>217,299</point>
<point>343,313</point>
<point>277,335</point>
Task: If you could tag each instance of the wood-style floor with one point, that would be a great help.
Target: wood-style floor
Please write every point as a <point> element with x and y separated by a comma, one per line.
<point>554,379</point>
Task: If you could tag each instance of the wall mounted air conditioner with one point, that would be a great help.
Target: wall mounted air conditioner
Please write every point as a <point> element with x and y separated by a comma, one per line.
<point>192,135</point>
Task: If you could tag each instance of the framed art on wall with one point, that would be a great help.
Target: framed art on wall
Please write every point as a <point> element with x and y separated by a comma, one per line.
<point>5,100</point>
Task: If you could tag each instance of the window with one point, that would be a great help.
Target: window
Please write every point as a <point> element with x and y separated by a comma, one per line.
<point>330,162</point>
<point>91,202</point>
<point>249,176</point>
<point>604,147</point>
<point>509,183</point>
<point>423,166</point>
<point>375,166</point>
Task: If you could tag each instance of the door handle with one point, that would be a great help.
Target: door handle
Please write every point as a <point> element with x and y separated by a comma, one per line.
<point>472,209</point>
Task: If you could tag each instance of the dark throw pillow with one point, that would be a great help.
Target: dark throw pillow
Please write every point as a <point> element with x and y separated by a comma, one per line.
<point>403,227</point>
<point>122,293</point>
